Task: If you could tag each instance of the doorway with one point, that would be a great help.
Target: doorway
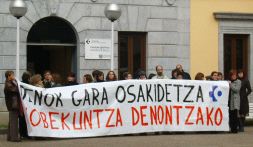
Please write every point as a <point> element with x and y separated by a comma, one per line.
<point>51,45</point>
<point>235,53</point>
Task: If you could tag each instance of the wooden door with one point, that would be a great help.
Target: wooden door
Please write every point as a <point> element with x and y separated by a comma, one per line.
<point>132,52</point>
<point>235,53</point>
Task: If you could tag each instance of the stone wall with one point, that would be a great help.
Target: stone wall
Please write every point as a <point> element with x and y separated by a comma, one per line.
<point>167,23</point>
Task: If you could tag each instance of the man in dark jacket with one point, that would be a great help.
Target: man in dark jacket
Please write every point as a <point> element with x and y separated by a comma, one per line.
<point>244,102</point>
<point>186,75</point>
<point>22,123</point>
<point>12,100</point>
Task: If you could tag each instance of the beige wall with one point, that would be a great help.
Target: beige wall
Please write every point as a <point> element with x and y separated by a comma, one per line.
<point>204,31</point>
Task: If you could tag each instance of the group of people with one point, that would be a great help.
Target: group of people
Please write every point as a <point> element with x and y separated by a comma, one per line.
<point>238,97</point>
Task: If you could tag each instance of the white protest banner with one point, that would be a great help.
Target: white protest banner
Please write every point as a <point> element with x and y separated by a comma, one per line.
<point>124,107</point>
<point>97,49</point>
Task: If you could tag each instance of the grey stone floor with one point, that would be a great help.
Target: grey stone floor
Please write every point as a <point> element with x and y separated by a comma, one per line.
<point>244,139</point>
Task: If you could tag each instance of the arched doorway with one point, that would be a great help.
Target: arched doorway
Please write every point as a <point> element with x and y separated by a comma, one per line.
<point>51,45</point>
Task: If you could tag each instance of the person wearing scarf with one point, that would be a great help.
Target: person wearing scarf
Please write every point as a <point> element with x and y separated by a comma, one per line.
<point>234,101</point>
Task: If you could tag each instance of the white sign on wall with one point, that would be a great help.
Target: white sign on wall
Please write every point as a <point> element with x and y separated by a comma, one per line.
<point>97,49</point>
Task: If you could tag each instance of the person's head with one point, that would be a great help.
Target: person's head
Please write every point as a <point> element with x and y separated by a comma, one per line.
<point>87,79</point>
<point>220,76</point>
<point>174,73</point>
<point>71,77</point>
<point>36,80</point>
<point>159,70</point>
<point>9,75</point>
<point>100,76</point>
<point>214,76</point>
<point>142,75</point>
<point>56,78</point>
<point>127,76</point>
<point>179,67</point>
<point>111,76</point>
<point>233,75</point>
<point>180,75</point>
<point>26,77</point>
<point>95,73</point>
<point>240,74</point>
<point>48,75</point>
<point>199,76</point>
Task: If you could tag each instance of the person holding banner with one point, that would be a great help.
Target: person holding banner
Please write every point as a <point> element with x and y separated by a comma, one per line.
<point>142,75</point>
<point>180,76</point>
<point>244,103</point>
<point>87,79</point>
<point>12,100</point>
<point>71,79</point>
<point>127,76</point>
<point>48,79</point>
<point>159,73</point>
<point>214,76</point>
<point>199,76</point>
<point>94,75</point>
<point>36,80</point>
<point>186,75</point>
<point>111,76</point>
<point>174,73</point>
<point>57,80</point>
<point>220,76</point>
<point>99,77</point>
<point>234,101</point>
<point>22,123</point>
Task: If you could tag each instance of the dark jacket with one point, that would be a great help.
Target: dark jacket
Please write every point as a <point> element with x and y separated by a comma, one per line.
<point>244,92</point>
<point>48,84</point>
<point>186,76</point>
<point>12,97</point>
<point>71,83</point>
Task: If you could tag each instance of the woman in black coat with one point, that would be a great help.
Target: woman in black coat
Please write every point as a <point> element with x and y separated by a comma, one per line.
<point>244,102</point>
<point>12,100</point>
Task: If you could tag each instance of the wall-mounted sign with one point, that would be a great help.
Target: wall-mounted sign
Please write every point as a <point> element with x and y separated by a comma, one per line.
<point>97,49</point>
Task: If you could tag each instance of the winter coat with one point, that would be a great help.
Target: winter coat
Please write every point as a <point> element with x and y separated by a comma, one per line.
<point>244,92</point>
<point>12,97</point>
<point>234,98</point>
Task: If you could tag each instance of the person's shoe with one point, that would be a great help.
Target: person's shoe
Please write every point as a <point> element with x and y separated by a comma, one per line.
<point>15,140</point>
<point>26,137</point>
<point>241,130</point>
<point>234,131</point>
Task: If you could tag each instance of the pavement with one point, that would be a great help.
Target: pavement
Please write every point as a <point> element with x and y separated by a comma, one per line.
<point>220,139</point>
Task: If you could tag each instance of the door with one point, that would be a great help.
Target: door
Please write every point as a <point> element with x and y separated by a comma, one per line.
<point>51,45</point>
<point>57,59</point>
<point>235,53</point>
<point>132,52</point>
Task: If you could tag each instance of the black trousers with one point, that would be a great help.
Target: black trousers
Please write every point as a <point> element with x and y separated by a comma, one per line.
<point>13,126</point>
<point>22,126</point>
<point>233,120</point>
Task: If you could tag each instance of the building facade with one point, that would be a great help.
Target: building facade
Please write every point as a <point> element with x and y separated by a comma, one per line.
<point>53,33</point>
<point>221,36</point>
